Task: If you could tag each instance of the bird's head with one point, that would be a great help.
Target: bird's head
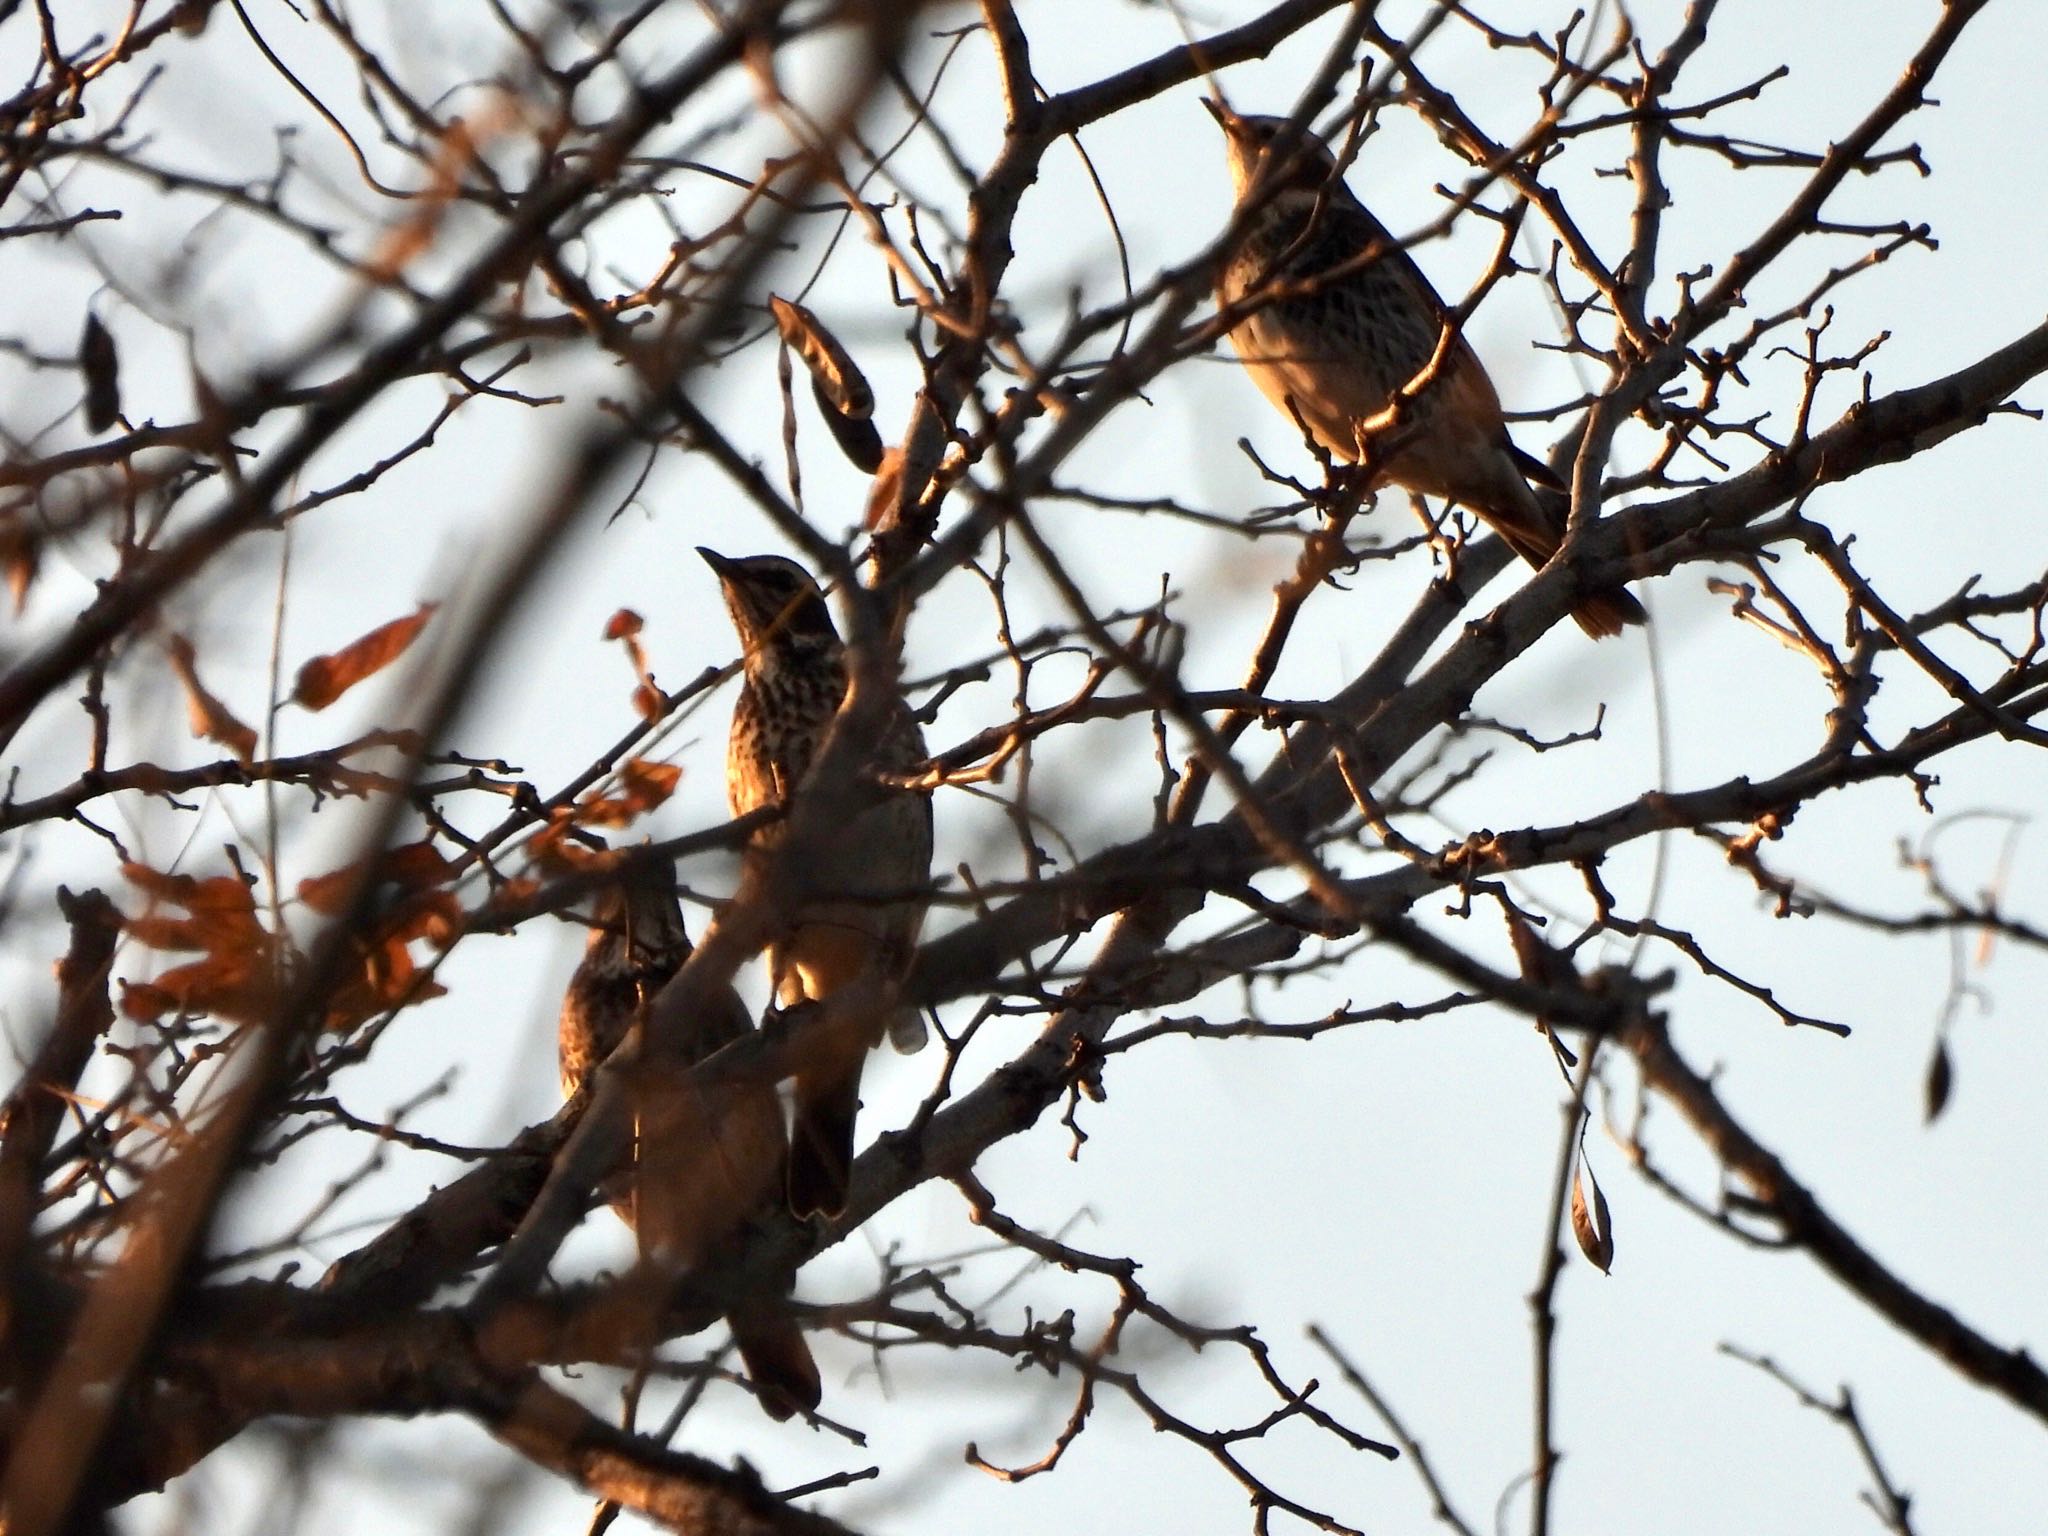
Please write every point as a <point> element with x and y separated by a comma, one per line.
<point>637,926</point>
<point>1287,156</point>
<point>777,611</point>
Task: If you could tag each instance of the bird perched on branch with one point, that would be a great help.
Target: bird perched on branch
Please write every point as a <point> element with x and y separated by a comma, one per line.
<point>858,901</point>
<point>1343,332</point>
<point>700,1168</point>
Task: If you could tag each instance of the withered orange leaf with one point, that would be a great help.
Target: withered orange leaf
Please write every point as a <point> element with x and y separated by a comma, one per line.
<point>387,979</point>
<point>165,932</point>
<point>435,916</point>
<point>328,894</point>
<point>236,979</point>
<point>326,678</point>
<point>411,866</point>
<point>552,847</point>
<point>21,556</point>
<point>514,893</point>
<point>1591,1227</point>
<point>886,492</point>
<point>155,882</point>
<point>218,893</point>
<point>623,623</point>
<point>642,786</point>
<point>417,865</point>
<point>144,1003</point>
<point>238,987</point>
<point>209,719</point>
<point>646,783</point>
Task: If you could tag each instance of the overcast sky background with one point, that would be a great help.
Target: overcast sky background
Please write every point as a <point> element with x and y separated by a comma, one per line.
<point>1388,1184</point>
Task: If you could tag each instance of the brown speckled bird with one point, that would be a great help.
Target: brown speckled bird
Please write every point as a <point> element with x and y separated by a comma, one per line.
<point>699,1170</point>
<point>860,913</point>
<point>1357,325</point>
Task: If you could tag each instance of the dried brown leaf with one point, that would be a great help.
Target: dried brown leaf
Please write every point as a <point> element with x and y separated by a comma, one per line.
<point>145,1003</point>
<point>155,882</point>
<point>239,987</point>
<point>1590,1227</point>
<point>416,866</point>
<point>328,894</point>
<point>514,893</point>
<point>388,978</point>
<point>552,849</point>
<point>647,783</point>
<point>21,557</point>
<point>642,786</point>
<point>1941,1081</point>
<point>226,895</point>
<point>411,866</point>
<point>841,388</point>
<point>165,932</point>
<point>435,916</point>
<point>855,435</point>
<point>101,365</point>
<point>236,979</point>
<point>326,678</point>
<point>209,719</point>
<point>884,494</point>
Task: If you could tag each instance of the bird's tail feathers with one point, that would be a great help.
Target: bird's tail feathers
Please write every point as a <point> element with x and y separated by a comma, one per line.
<point>778,1360</point>
<point>821,1144</point>
<point>1600,614</point>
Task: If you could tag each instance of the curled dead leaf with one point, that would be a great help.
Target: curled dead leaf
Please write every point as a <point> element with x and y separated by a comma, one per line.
<point>21,557</point>
<point>1941,1081</point>
<point>514,893</point>
<point>885,493</point>
<point>101,365</point>
<point>144,1003</point>
<point>842,389</point>
<point>1591,1227</point>
<point>642,786</point>
<point>218,893</point>
<point>411,866</point>
<point>647,783</point>
<point>326,678</point>
<point>387,979</point>
<point>855,435</point>
<point>239,973</point>
<point>209,719</point>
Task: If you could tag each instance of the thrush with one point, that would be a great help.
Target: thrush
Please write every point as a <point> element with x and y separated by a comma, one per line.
<point>852,927</point>
<point>1343,325</point>
<point>699,1170</point>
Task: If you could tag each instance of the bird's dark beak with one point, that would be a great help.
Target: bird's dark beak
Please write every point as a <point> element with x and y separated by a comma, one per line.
<point>1234,127</point>
<point>721,565</point>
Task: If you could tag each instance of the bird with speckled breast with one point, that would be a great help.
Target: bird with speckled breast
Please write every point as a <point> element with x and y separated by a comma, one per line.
<point>1340,330</point>
<point>699,1171</point>
<point>854,929</point>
